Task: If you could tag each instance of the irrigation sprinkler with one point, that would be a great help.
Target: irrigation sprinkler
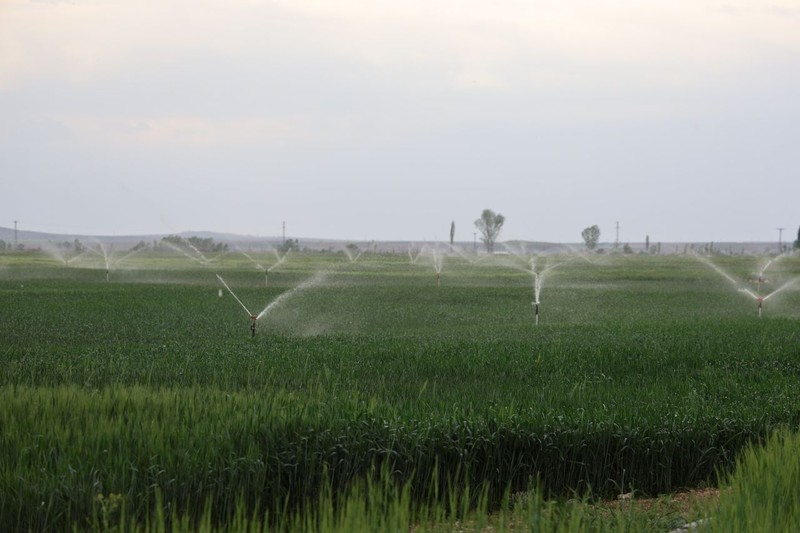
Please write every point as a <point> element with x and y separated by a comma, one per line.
<point>109,260</point>
<point>254,318</point>
<point>279,261</point>
<point>438,263</point>
<point>760,300</point>
<point>763,299</point>
<point>538,278</point>
<point>106,260</point>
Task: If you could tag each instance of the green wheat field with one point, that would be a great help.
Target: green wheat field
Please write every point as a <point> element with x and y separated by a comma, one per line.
<point>378,395</point>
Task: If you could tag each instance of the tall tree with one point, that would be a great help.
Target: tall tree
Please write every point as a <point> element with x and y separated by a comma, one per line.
<point>490,225</point>
<point>590,236</point>
<point>797,242</point>
<point>452,232</point>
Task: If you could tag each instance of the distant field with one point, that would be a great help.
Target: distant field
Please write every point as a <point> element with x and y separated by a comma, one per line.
<point>646,373</point>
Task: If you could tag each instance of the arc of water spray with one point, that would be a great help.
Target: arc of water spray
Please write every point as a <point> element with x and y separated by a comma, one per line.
<point>256,263</point>
<point>203,258</point>
<point>769,263</point>
<point>538,278</point>
<point>102,253</point>
<point>779,289</point>
<point>414,257</point>
<point>745,290</point>
<point>719,271</point>
<point>277,301</point>
<point>286,295</point>
<point>74,257</point>
<point>126,256</point>
<point>438,263</point>
<point>181,250</point>
<point>762,299</point>
<point>349,253</point>
<point>246,310</point>
<point>62,257</point>
<point>280,259</point>
<point>470,260</point>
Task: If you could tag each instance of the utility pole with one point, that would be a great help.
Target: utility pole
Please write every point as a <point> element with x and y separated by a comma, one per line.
<point>284,233</point>
<point>616,241</point>
<point>15,234</point>
<point>780,239</point>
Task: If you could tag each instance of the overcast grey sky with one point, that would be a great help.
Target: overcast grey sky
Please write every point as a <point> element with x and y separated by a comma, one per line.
<point>382,120</point>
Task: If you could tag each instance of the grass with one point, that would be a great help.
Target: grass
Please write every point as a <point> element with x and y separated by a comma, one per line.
<point>646,373</point>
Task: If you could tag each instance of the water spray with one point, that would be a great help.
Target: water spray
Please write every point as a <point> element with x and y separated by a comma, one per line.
<point>470,260</point>
<point>438,263</point>
<point>537,290</point>
<point>760,277</point>
<point>280,261</point>
<point>266,270</point>
<point>353,253</point>
<point>760,300</point>
<point>184,252</point>
<point>253,317</point>
<point>413,254</point>
<point>106,261</point>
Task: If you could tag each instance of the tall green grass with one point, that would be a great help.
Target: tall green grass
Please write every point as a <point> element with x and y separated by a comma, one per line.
<point>763,493</point>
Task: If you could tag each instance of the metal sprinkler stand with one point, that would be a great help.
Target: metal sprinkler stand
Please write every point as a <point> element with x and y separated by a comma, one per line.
<point>760,306</point>
<point>536,313</point>
<point>253,325</point>
<point>438,279</point>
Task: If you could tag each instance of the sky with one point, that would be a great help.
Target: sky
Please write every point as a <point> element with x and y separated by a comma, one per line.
<point>390,120</point>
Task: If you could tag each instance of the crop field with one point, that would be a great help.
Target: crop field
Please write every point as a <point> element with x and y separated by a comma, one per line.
<point>142,381</point>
